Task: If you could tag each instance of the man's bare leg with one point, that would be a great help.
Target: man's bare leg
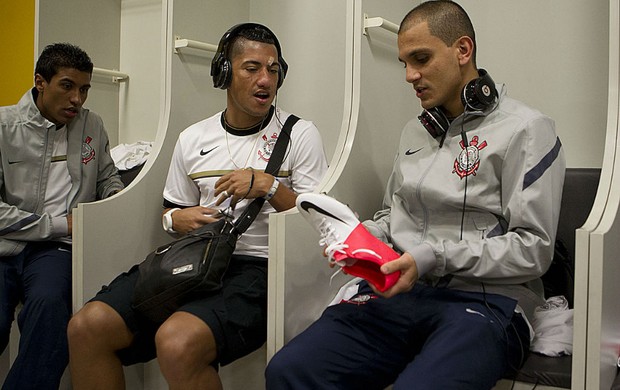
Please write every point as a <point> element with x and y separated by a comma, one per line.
<point>95,334</point>
<point>185,350</point>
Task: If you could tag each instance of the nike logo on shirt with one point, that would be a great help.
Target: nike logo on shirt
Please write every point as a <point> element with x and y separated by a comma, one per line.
<point>203,153</point>
<point>409,152</point>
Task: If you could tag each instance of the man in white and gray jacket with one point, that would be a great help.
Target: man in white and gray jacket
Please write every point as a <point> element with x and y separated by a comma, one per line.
<point>472,205</point>
<point>54,154</point>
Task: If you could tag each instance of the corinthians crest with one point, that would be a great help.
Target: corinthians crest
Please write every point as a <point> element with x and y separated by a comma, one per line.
<point>468,160</point>
<point>267,148</point>
<point>88,153</point>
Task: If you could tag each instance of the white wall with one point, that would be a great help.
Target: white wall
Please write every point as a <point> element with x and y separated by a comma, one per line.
<point>141,38</point>
<point>552,55</point>
<point>95,27</point>
<point>311,34</point>
<point>124,35</point>
<point>193,95</point>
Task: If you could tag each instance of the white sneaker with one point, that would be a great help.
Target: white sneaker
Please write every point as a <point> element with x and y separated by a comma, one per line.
<point>347,242</point>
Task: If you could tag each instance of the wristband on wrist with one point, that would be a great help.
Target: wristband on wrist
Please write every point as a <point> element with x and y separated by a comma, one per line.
<point>167,220</point>
<point>251,183</point>
<point>272,190</point>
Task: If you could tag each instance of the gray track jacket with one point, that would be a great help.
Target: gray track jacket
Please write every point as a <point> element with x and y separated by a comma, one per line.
<point>490,217</point>
<point>26,145</point>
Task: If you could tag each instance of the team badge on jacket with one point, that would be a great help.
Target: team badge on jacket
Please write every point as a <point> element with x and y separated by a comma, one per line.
<point>265,152</point>
<point>88,153</point>
<point>468,160</point>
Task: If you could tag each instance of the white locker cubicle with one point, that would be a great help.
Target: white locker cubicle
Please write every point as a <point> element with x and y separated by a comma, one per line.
<point>598,244</point>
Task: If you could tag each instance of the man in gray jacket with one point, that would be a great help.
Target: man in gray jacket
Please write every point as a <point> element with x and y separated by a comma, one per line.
<point>54,154</point>
<point>472,206</point>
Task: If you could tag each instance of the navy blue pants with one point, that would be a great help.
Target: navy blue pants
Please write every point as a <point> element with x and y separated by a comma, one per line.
<point>40,278</point>
<point>429,338</point>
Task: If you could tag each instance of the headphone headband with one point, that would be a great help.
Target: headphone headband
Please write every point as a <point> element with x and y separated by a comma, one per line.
<point>221,66</point>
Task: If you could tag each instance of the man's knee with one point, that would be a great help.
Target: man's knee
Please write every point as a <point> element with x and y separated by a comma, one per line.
<point>184,339</point>
<point>97,323</point>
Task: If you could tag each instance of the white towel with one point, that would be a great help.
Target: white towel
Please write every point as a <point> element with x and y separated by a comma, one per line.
<point>553,327</point>
<point>127,156</point>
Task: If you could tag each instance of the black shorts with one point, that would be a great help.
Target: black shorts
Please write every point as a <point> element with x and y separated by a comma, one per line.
<point>237,314</point>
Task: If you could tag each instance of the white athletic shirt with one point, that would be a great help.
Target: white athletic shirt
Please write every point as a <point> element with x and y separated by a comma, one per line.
<point>59,180</point>
<point>205,151</point>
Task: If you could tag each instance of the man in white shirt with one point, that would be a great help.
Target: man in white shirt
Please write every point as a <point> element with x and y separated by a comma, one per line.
<point>216,161</point>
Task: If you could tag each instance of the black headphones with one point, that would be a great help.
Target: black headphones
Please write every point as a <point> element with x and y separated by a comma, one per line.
<point>221,67</point>
<point>477,95</point>
<point>434,121</point>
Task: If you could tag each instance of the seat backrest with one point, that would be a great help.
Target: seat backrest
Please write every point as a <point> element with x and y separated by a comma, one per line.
<point>127,176</point>
<point>580,185</point>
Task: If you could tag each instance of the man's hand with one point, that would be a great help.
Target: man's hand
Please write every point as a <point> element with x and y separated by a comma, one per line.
<point>243,184</point>
<point>237,185</point>
<point>408,275</point>
<point>191,218</point>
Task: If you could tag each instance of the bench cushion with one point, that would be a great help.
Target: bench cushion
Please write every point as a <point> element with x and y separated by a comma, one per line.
<point>545,370</point>
<point>128,175</point>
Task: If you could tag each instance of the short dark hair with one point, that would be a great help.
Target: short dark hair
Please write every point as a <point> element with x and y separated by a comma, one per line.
<point>446,20</point>
<point>252,33</point>
<point>62,55</point>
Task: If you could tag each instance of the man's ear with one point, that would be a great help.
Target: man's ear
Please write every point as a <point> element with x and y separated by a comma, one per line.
<point>465,47</point>
<point>39,82</point>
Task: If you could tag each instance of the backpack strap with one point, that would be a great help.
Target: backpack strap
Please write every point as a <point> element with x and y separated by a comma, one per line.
<point>273,166</point>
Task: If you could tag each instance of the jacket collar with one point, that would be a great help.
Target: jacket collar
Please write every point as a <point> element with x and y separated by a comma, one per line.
<point>28,108</point>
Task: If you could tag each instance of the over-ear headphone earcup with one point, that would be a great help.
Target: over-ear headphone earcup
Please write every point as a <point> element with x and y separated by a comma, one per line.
<point>282,70</point>
<point>221,73</point>
<point>226,74</point>
<point>217,65</point>
<point>479,93</point>
<point>434,121</point>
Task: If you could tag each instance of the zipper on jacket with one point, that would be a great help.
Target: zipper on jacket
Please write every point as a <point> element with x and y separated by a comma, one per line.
<point>45,165</point>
